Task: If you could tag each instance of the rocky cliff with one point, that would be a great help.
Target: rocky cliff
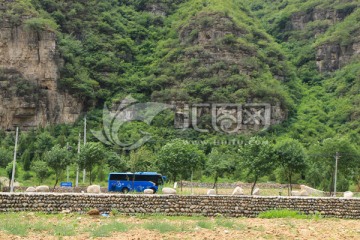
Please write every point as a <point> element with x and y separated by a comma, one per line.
<point>332,54</point>
<point>29,71</point>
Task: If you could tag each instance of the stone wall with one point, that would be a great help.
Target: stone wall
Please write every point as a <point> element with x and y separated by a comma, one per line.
<point>234,185</point>
<point>185,184</point>
<point>234,206</point>
<point>57,189</point>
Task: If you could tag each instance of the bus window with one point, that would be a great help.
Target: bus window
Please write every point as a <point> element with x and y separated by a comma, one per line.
<point>119,177</point>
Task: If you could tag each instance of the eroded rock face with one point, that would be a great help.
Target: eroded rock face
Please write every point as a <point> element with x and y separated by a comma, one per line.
<point>300,20</point>
<point>329,56</point>
<point>160,7</point>
<point>29,71</point>
<point>333,56</point>
<point>206,30</point>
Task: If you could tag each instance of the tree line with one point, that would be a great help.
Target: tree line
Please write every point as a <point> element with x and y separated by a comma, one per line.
<point>43,157</point>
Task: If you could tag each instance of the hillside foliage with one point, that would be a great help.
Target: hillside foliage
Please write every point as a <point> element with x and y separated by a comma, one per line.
<point>199,51</point>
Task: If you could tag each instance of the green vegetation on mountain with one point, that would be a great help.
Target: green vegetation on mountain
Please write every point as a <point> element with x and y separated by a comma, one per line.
<point>300,55</point>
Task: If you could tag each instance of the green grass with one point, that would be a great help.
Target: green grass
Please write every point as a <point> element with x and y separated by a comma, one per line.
<point>60,225</point>
<point>286,213</point>
<point>229,224</point>
<point>106,230</point>
<point>64,229</point>
<point>162,227</point>
<point>206,224</point>
<point>40,227</point>
<point>14,227</point>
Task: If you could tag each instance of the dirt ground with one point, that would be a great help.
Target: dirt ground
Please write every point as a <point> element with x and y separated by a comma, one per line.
<point>162,227</point>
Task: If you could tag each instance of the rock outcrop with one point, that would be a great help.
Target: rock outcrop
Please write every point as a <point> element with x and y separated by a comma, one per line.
<point>29,73</point>
<point>332,55</point>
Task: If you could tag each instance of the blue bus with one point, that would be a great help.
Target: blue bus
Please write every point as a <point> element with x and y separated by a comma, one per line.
<point>138,181</point>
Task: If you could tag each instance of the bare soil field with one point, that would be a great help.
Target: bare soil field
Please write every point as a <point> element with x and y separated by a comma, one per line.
<point>76,226</point>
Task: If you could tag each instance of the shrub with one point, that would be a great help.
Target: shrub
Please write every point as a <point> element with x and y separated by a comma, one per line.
<point>40,24</point>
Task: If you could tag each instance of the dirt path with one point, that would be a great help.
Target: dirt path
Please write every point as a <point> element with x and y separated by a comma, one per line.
<point>85,227</point>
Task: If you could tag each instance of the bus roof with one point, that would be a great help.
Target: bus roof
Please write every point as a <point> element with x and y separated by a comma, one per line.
<point>137,173</point>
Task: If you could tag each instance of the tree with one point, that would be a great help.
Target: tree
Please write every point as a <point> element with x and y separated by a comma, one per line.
<point>26,160</point>
<point>44,142</point>
<point>117,163</point>
<point>58,159</point>
<point>291,157</point>
<point>218,164</point>
<point>41,170</point>
<point>91,154</point>
<point>8,170</point>
<point>141,160</point>
<point>179,158</point>
<point>258,158</point>
<point>321,171</point>
<point>5,157</point>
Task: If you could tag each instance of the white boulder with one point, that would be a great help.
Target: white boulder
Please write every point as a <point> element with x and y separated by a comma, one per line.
<point>256,192</point>
<point>295,193</point>
<point>348,194</point>
<point>211,192</point>
<point>149,191</point>
<point>311,191</point>
<point>93,189</point>
<point>167,190</point>
<point>304,193</point>
<point>43,188</point>
<point>238,191</point>
<point>30,189</point>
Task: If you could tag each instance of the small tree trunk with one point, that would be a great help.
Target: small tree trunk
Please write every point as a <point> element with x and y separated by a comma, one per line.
<point>90,175</point>
<point>290,182</point>
<point>253,186</point>
<point>331,187</point>
<point>90,178</point>
<point>56,182</point>
<point>215,181</point>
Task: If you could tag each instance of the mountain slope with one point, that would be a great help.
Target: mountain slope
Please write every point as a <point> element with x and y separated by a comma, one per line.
<point>321,39</point>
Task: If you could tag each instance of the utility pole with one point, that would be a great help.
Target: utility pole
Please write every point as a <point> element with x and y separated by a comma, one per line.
<point>67,167</point>
<point>84,170</point>
<point>14,162</point>
<point>192,175</point>
<point>77,167</point>
<point>337,156</point>
<point>85,130</point>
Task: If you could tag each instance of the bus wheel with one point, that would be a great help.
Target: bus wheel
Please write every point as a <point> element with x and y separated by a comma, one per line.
<point>125,190</point>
